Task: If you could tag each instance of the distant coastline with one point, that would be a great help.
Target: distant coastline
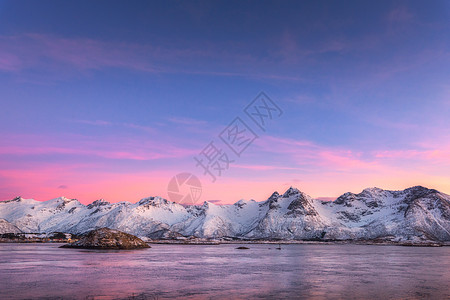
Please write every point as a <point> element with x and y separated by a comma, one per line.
<point>20,238</point>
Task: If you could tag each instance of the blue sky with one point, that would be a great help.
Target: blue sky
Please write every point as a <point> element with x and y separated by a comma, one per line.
<point>109,99</point>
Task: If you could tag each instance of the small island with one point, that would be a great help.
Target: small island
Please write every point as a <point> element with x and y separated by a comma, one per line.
<point>108,239</point>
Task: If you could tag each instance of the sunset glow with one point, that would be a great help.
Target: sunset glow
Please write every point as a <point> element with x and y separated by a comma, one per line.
<point>113,108</point>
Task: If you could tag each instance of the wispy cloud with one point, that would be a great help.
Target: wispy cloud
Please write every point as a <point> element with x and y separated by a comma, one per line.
<point>322,158</point>
<point>103,123</point>
<point>306,153</point>
<point>140,127</point>
<point>95,122</point>
<point>67,55</point>
<point>215,201</point>
<point>105,147</point>
<point>439,155</point>
<point>9,61</point>
<point>187,121</point>
<point>262,167</point>
<point>399,14</point>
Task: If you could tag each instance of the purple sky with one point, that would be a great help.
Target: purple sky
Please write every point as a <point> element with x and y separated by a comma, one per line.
<point>109,99</point>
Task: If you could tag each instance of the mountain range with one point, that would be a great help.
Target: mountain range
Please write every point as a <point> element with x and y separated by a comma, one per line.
<point>416,214</point>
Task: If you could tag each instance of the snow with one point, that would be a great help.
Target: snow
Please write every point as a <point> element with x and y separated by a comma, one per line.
<point>6,227</point>
<point>416,213</point>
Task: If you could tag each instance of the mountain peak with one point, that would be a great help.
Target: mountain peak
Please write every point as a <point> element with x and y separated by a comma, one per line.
<point>64,199</point>
<point>373,189</point>
<point>98,203</point>
<point>420,189</point>
<point>241,203</point>
<point>373,192</point>
<point>274,197</point>
<point>147,200</point>
<point>291,191</point>
<point>154,201</point>
<point>414,213</point>
<point>18,199</point>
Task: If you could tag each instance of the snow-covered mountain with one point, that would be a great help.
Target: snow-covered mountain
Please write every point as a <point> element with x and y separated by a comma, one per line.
<point>415,214</point>
<point>6,227</point>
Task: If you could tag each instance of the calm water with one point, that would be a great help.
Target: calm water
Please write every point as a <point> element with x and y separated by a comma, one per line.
<point>204,272</point>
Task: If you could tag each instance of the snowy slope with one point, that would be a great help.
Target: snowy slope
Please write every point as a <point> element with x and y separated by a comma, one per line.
<point>415,214</point>
<point>290,216</point>
<point>6,227</point>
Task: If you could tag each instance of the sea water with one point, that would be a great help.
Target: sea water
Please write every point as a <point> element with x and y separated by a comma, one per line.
<point>223,272</point>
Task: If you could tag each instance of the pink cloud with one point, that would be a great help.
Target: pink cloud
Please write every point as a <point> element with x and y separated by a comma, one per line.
<point>302,152</point>
<point>441,155</point>
<point>87,185</point>
<point>137,154</point>
<point>262,167</point>
<point>106,147</point>
<point>343,160</point>
<point>338,158</point>
<point>330,171</point>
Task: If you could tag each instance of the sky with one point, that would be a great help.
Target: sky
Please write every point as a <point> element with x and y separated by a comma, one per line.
<point>112,99</point>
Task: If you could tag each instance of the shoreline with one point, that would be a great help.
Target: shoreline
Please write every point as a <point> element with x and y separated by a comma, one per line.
<point>260,242</point>
<point>301,242</point>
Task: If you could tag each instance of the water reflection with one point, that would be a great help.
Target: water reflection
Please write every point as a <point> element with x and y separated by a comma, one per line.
<point>202,272</point>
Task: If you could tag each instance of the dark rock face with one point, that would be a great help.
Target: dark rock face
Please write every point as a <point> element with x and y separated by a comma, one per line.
<point>105,238</point>
<point>301,206</point>
<point>98,203</point>
<point>291,191</point>
<point>16,199</point>
<point>274,196</point>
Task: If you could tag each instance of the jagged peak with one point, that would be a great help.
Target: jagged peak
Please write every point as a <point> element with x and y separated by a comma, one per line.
<point>61,199</point>
<point>241,203</point>
<point>372,190</point>
<point>345,198</point>
<point>378,193</point>
<point>97,203</point>
<point>291,191</point>
<point>65,199</point>
<point>145,200</point>
<point>275,195</point>
<point>155,201</point>
<point>19,199</point>
<point>244,201</point>
<point>419,188</point>
<point>16,199</point>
